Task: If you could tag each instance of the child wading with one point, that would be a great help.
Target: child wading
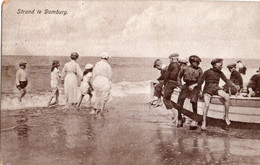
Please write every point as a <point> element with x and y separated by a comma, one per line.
<point>55,75</point>
<point>21,80</point>
<point>86,87</point>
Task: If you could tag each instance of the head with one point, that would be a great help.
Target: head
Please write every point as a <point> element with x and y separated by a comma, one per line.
<point>182,61</point>
<point>158,64</point>
<point>74,56</point>
<point>55,64</point>
<point>22,65</point>
<point>231,67</point>
<point>217,63</point>
<point>194,61</point>
<point>105,56</point>
<point>88,68</point>
<point>174,57</point>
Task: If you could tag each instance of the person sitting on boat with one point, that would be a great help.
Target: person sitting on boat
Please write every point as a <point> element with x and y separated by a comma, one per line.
<point>254,85</point>
<point>211,78</point>
<point>170,83</point>
<point>159,84</point>
<point>241,67</point>
<point>190,75</point>
<point>235,78</point>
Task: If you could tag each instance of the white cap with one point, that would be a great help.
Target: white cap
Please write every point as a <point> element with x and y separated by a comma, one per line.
<point>105,55</point>
<point>88,66</point>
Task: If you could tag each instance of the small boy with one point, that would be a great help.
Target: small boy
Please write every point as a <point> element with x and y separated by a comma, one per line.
<point>21,80</point>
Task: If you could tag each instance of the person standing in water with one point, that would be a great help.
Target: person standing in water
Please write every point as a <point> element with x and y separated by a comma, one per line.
<point>190,74</point>
<point>101,82</point>
<point>211,78</point>
<point>86,87</point>
<point>69,75</point>
<point>21,80</point>
<point>170,83</point>
<point>55,76</point>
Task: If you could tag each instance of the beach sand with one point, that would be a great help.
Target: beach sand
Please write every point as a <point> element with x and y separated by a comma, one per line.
<point>130,133</point>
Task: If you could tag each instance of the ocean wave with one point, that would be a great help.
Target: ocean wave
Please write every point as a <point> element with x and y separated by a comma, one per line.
<point>120,89</point>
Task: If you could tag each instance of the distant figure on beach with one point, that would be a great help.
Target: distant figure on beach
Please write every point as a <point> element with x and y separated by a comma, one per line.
<point>235,78</point>
<point>190,74</point>
<point>254,85</point>
<point>101,82</point>
<point>211,78</point>
<point>21,80</point>
<point>170,83</point>
<point>158,85</point>
<point>55,76</point>
<point>86,87</point>
<point>241,67</point>
<point>69,75</point>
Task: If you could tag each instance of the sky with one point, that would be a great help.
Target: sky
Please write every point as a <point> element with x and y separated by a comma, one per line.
<point>133,28</point>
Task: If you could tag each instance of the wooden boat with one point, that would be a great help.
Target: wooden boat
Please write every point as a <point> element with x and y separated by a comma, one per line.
<point>244,112</point>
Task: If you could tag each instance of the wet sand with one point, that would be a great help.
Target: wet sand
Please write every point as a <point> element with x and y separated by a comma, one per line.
<point>130,133</point>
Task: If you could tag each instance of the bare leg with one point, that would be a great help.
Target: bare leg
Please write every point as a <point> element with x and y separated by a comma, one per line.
<point>57,96</point>
<point>207,99</point>
<point>226,98</point>
<point>80,100</point>
<point>23,93</point>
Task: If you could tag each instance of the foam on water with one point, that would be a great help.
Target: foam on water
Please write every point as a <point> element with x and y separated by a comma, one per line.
<point>120,89</point>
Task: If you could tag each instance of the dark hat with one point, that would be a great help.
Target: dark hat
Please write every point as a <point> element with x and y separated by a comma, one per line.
<point>216,60</point>
<point>174,55</point>
<point>194,58</point>
<point>156,62</point>
<point>232,65</point>
<point>22,63</point>
<point>74,55</point>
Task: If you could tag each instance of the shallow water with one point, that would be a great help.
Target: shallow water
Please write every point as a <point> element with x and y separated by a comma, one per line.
<point>130,133</point>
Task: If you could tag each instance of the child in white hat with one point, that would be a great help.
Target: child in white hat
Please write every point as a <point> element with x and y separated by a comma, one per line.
<point>86,87</point>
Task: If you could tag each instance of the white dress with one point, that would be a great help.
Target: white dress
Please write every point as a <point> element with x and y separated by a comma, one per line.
<point>55,74</point>
<point>102,75</point>
<point>69,73</point>
<point>84,87</point>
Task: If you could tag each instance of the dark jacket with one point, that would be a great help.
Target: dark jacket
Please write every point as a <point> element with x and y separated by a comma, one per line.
<point>163,71</point>
<point>190,75</point>
<point>254,83</point>
<point>236,78</point>
<point>172,72</point>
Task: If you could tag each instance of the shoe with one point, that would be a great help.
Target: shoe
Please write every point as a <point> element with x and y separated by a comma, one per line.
<point>193,125</point>
<point>227,120</point>
<point>180,124</point>
<point>158,105</point>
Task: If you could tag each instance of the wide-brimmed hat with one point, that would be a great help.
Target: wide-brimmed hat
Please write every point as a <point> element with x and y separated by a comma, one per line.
<point>22,63</point>
<point>105,55</point>
<point>174,55</point>
<point>232,65</point>
<point>194,58</point>
<point>182,60</point>
<point>74,55</point>
<point>216,60</point>
<point>89,66</point>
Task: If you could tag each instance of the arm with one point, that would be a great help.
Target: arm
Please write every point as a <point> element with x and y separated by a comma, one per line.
<point>63,73</point>
<point>79,71</point>
<point>180,75</point>
<point>17,80</point>
<point>224,78</point>
<point>197,84</point>
<point>167,74</point>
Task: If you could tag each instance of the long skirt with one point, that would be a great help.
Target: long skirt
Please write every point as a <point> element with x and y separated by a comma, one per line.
<point>70,88</point>
<point>101,95</point>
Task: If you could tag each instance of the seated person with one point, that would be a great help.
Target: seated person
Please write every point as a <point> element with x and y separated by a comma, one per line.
<point>159,85</point>
<point>241,67</point>
<point>254,85</point>
<point>236,79</point>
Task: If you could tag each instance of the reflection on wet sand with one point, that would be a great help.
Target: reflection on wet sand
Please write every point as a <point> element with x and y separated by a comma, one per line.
<point>133,134</point>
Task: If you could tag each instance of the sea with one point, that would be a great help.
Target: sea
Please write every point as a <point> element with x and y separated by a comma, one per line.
<point>131,75</point>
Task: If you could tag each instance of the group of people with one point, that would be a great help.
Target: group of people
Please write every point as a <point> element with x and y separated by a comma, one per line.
<point>193,77</point>
<point>95,81</point>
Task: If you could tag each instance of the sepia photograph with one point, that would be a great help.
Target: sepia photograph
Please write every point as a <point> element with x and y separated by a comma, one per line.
<point>130,82</point>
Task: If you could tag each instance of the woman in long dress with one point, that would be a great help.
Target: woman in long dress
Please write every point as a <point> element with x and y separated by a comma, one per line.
<point>70,72</point>
<point>102,76</point>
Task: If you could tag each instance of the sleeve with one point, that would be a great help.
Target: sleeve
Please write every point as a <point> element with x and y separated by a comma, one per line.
<point>17,80</point>
<point>79,71</point>
<point>180,75</point>
<point>63,73</point>
<point>167,74</point>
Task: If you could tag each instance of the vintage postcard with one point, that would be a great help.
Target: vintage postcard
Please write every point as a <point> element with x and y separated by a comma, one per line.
<point>130,82</point>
